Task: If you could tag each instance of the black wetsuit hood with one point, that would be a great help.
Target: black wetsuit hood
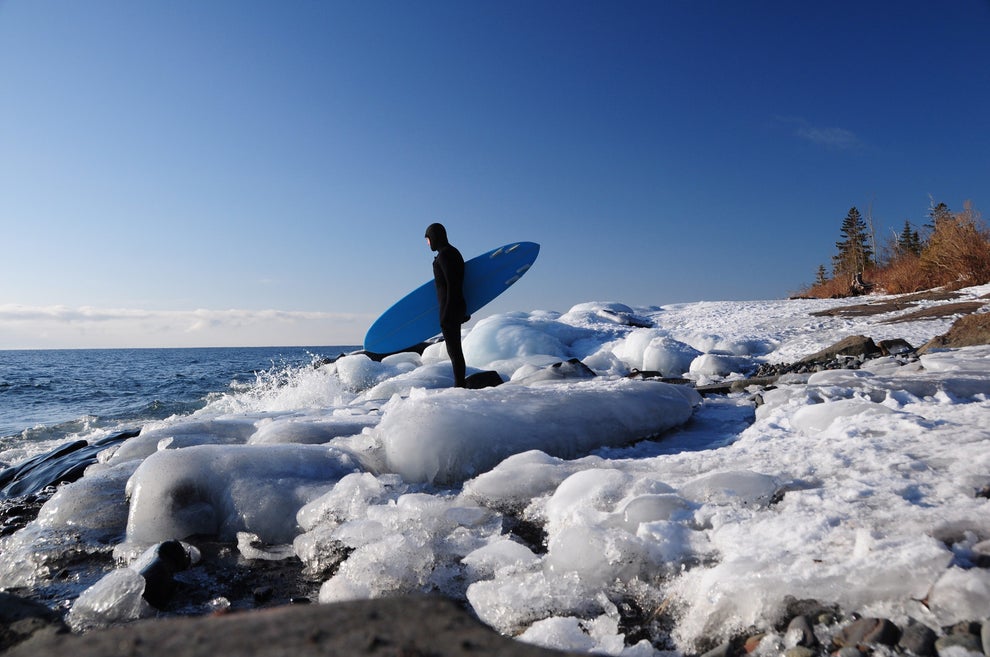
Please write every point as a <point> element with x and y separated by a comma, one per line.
<point>438,236</point>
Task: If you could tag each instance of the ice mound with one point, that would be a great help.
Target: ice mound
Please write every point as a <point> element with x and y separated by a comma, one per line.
<point>223,490</point>
<point>452,435</point>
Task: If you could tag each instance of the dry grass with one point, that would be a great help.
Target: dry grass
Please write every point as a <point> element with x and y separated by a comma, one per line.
<point>956,255</point>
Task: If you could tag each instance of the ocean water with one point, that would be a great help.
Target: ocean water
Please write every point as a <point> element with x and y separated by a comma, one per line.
<point>48,396</point>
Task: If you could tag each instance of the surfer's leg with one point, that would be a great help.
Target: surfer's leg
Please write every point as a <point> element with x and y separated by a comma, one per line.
<point>452,337</point>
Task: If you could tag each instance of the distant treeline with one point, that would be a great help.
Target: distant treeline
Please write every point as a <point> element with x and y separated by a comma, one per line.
<point>952,250</point>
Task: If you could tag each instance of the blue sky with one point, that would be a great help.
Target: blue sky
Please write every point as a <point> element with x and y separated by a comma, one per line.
<point>184,173</point>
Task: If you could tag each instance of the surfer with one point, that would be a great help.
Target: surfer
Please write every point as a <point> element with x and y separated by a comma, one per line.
<point>448,275</point>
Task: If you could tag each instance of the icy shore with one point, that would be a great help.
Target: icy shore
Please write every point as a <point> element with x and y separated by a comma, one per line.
<point>605,515</point>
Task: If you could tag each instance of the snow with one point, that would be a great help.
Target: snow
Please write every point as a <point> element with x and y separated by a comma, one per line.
<point>852,487</point>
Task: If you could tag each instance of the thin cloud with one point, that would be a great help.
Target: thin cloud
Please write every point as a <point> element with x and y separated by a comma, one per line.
<point>23,326</point>
<point>832,138</point>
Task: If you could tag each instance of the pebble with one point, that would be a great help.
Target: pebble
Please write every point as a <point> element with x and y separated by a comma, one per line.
<point>868,631</point>
<point>799,651</point>
<point>723,650</point>
<point>752,643</point>
<point>801,632</point>
<point>849,651</point>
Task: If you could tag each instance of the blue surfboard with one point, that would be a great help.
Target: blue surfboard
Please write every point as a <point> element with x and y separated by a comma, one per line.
<point>416,317</point>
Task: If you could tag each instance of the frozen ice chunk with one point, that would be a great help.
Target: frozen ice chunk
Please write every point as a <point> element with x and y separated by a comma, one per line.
<point>309,431</point>
<point>720,365</point>
<point>738,487</point>
<point>452,435</point>
<point>358,372</point>
<point>819,417</point>
<point>223,490</point>
<point>960,595</point>
<point>668,356</point>
<point>503,553</point>
<point>115,598</point>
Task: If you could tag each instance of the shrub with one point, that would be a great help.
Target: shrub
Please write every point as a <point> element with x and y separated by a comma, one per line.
<point>955,255</point>
<point>958,252</point>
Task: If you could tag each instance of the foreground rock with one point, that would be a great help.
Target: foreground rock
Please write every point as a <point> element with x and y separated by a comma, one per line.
<point>411,627</point>
<point>967,331</point>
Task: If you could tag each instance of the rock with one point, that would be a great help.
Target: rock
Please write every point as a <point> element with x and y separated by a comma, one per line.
<point>572,369</point>
<point>918,639</point>
<point>800,631</point>
<point>958,643</point>
<point>967,331</point>
<point>722,650</point>
<point>752,643</point>
<point>813,609</point>
<point>866,631</point>
<point>854,345</point>
<point>63,464</point>
<point>158,566</point>
<point>799,651</point>
<point>486,379</point>
<point>895,347</point>
<point>20,619</point>
<point>391,626</point>
<point>849,651</point>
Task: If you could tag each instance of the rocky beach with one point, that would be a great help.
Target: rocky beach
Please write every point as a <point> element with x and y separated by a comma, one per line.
<point>255,597</point>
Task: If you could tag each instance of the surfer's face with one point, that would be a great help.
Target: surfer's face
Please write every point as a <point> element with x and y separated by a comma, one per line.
<point>429,244</point>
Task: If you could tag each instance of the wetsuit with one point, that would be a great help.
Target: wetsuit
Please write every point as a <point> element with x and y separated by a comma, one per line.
<point>448,275</point>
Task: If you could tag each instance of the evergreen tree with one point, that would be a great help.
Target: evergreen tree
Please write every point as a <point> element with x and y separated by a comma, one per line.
<point>937,213</point>
<point>909,241</point>
<point>822,277</point>
<point>855,253</point>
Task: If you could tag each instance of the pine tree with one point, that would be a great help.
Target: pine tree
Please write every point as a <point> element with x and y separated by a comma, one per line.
<point>855,253</point>
<point>937,212</point>
<point>909,241</point>
<point>822,277</point>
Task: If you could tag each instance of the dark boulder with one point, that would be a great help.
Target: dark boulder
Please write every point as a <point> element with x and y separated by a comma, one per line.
<point>158,567</point>
<point>856,346</point>
<point>486,379</point>
<point>63,464</point>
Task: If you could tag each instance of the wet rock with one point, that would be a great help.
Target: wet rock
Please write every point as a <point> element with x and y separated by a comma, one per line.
<point>21,619</point>
<point>65,463</point>
<point>867,631</point>
<point>158,566</point>
<point>801,632</point>
<point>918,639</point>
